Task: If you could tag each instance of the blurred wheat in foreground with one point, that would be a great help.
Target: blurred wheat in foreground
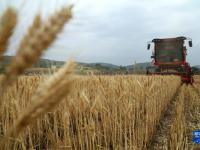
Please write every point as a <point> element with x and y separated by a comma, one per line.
<point>39,38</point>
<point>7,23</point>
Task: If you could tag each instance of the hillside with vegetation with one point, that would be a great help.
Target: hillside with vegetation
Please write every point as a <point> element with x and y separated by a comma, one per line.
<point>93,68</point>
<point>84,68</point>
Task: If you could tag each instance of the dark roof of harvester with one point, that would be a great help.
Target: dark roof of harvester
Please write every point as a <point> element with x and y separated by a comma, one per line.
<point>169,39</point>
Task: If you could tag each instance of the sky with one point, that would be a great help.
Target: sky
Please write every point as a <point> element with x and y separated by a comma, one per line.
<point>111,31</point>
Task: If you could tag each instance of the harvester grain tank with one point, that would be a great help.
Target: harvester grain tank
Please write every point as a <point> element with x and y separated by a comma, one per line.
<point>169,58</point>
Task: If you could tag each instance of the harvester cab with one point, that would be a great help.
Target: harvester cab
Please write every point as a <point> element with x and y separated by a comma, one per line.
<point>169,58</point>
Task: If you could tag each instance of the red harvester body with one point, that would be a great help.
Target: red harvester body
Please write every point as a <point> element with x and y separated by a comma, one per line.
<point>169,58</point>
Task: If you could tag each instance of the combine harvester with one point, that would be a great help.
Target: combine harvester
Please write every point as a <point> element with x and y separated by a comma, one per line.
<point>169,58</point>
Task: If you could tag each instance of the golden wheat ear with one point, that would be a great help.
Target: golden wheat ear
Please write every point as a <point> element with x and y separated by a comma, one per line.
<point>8,22</point>
<point>39,38</point>
<point>47,97</point>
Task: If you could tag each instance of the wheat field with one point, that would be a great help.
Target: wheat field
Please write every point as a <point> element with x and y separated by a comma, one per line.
<point>70,111</point>
<point>103,112</point>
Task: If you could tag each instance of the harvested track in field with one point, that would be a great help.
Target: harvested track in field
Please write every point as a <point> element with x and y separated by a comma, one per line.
<point>192,117</point>
<point>162,131</point>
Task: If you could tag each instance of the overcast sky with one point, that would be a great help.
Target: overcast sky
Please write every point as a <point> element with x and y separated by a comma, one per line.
<point>112,31</point>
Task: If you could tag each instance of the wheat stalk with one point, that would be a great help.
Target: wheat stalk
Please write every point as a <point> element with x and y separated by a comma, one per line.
<point>47,97</point>
<point>38,39</point>
<point>7,23</point>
